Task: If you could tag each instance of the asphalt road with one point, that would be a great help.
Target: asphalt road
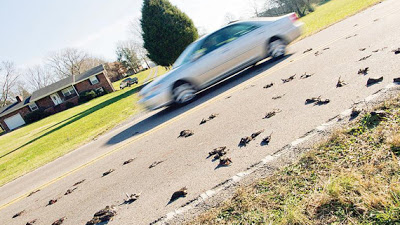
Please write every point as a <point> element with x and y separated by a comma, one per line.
<point>241,103</point>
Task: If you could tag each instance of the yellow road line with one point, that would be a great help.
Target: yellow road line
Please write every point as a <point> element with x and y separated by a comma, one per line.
<point>171,121</point>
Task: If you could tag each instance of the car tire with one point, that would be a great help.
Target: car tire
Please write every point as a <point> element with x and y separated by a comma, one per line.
<point>183,93</point>
<point>277,48</point>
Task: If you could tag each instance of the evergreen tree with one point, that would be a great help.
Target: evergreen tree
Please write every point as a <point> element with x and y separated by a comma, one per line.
<point>167,31</point>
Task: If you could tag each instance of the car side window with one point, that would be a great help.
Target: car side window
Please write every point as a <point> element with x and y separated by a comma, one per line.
<point>226,35</point>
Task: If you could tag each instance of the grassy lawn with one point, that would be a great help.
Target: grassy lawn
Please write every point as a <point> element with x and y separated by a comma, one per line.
<point>34,145</point>
<point>333,12</point>
<point>142,76</point>
<point>353,178</point>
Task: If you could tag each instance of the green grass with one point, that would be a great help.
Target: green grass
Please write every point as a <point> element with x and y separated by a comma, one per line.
<point>333,12</point>
<point>34,145</point>
<point>352,178</point>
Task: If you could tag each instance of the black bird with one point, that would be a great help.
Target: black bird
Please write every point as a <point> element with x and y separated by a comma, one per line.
<point>254,135</point>
<point>59,221</point>
<point>19,214</point>
<point>33,192</point>
<point>317,53</point>
<point>51,202</point>
<point>354,113</point>
<point>186,133</point>
<point>278,97</point>
<point>31,222</point>
<point>225,161</point>
<point>272,113</point>
<point>266,140</point>
<point>269,85</point>
<point>312,100</point>
<point>364,58</point>
<point>308,50</point>
<point>69,191</point>
<point>108,172</point>
<point>216,151</point>
<point>322,102</point>
<point>103,216</point>
<point>79,182</point>
<point>396,51</point>
<point>340,83</point>
<point>362,49</point>
<point>244,141</point>
<point>396,80</point>
<point>288,79</point>
<point>154,164</point>
<point>128,161</point>
<point>305,76</point>
<point>372,81</point>
<point>131,198</point>
<point>178,194</point>
<point>363,71</point>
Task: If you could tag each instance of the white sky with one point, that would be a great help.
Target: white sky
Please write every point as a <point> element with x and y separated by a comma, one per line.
<point>33,28</point>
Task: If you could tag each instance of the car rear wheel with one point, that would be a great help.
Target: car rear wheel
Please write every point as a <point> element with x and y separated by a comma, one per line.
<point>183,93</point>
<point>277,48</point>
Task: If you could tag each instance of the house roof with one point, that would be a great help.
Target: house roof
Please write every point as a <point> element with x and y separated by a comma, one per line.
<point>50,89</point>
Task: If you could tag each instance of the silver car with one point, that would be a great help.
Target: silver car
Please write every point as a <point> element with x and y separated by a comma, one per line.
<point>220,54</point>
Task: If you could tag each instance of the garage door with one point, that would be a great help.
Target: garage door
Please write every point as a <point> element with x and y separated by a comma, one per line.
<point>14,121</point>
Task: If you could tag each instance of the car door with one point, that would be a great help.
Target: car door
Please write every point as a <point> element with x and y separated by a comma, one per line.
<point>246,44</point>
<point>212,60</point>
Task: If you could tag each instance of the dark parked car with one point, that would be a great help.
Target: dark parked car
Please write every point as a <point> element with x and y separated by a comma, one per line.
<point>128,82</point>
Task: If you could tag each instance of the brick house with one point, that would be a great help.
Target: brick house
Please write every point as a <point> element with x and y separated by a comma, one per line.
<point>55,97</point>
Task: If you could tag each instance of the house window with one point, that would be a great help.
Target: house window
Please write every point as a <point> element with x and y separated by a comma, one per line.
<point>69,91</point>
<point>33,106</point>
<point>94,80</point>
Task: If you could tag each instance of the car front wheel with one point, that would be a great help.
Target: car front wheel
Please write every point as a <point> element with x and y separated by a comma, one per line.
<point>183,93</point>
<point>277,48</point>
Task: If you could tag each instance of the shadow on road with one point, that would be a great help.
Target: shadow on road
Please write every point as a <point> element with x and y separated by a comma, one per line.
<point>215,90</point>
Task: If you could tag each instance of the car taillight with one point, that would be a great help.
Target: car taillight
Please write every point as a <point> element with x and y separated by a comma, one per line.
<point>293,17</point>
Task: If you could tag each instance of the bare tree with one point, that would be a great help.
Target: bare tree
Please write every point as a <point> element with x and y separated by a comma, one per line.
<point>229,17</point>
<point>255,7</point>
<point>39,76</point>
<point>67,62</point>
<point>8,79</point>
<point>90,62</point>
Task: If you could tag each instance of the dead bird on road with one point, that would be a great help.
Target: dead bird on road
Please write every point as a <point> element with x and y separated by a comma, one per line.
<point>154,164</point>
<point>103,216</point>
<point>322,102</point>
<point>312,100</point>
<point>354,113</point>
<point>278,97</point>
<point>69,191</point>
<point>363,71</point>
<point>372,81</point>
<point>305,76</point>
<point>128,161</point>
<point>272,113</point>
<point>308,50</point>
<point>396,51</point>
<point>287,80</point>
<point>362,49</point>
<point>31,222</point>
<point>365,58</point>
<point>225,161</point>
<point>317,53</point>
<point>79,182</point>
<point>211,117</point>
<point>340,83</point>
<point>19,214</point>
<point>244,141</point>
<point>266,140</point>
<point>185,133</point>
<point>131,198</point>
<point>216,151</point>
<point>59,221</point>
<point>51,202</point>
<point>178,194</point>
<point>396,80</point>
<point>108,172</point>
<point>268,85</point>
<point>33,192</point>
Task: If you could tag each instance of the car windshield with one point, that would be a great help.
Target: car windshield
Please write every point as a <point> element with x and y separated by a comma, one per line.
<point>186,55</point>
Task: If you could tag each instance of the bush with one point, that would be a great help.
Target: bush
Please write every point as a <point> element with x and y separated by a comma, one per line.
<point>36,116</point>
<point>69,105</point>
<point>167,31</point>
<point>86,96</point>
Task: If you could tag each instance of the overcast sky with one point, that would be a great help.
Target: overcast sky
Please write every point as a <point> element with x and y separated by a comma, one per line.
<point>30,29</point>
